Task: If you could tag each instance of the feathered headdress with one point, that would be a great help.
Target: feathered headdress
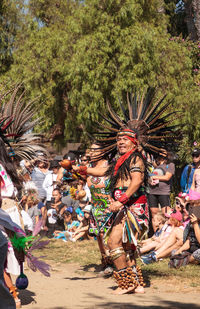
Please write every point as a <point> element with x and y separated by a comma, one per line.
<point>142,120</point>
<point>16,125</point>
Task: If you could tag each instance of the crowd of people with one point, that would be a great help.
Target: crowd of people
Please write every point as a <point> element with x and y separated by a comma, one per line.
<point>117,193</point>
<point>74,207</point>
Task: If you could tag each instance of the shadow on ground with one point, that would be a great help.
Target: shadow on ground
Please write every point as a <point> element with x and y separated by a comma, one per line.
<point>79,278</point>
<point>161,304</point>
<point>92,267</point>
<point>26,297</point>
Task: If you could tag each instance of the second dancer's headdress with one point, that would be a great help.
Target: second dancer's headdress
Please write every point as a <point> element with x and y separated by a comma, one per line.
<point>145,122</point>
<point>16,125</point>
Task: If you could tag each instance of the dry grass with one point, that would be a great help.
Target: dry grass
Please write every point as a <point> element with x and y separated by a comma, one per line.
<point>81,252</point>
<point>86,253</point>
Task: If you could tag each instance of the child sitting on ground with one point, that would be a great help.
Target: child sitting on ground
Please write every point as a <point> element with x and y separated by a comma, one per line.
<point>31,207</point>
<point>173,241</point>
<point>71,224</point>
<point>162,231</point>
<point>189,252</point>
<point>82,230</point>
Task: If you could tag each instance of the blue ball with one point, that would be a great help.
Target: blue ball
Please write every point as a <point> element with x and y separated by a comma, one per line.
<point>21,282</point>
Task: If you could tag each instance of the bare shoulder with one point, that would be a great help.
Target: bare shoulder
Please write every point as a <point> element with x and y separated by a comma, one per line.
<point>137,165</point>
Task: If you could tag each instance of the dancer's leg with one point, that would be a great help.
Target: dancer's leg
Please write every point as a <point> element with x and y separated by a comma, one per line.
<point>131,262</point>
<point>125,276</point>
<point>12,289</point>
<point>6,300</point>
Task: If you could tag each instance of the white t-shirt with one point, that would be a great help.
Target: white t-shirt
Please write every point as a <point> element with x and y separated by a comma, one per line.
<point>52,216</point>
<point>48,185</point>
<point>28,223</point>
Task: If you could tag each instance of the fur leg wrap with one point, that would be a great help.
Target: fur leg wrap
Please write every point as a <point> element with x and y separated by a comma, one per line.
<point>116,253</point>
<point>126,278</point>
<point>139,275</point>
<point>130,254</point>
<point>106,260</point>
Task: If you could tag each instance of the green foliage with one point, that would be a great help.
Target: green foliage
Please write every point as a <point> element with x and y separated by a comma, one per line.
<point>9,25</point>
<point>74,55</point>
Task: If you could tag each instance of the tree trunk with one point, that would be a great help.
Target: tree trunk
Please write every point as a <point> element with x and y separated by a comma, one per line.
<point>196,10</point>
<point>190,20</point>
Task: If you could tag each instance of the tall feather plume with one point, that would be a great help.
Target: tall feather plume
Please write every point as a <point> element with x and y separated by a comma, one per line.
<point>19,133</point>
<point>143,116</point>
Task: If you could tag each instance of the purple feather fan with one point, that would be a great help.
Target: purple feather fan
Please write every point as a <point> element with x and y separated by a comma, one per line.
<point>37,228</point>
<point>35,264</point>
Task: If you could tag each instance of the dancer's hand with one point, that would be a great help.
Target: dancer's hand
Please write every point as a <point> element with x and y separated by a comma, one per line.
<point>115,206</point>
<point>75,168</point>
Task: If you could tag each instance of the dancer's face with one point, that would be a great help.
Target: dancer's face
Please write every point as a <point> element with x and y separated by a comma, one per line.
<point>94,151</point>
<point>124,144</point>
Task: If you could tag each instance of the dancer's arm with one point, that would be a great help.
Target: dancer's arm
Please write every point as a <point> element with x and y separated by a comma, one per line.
<point>60,174</point>
<point>93,171</point>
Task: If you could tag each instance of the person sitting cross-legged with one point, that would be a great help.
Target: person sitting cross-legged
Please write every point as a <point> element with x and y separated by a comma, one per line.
<point>172,242</point>
<point>189,252</point>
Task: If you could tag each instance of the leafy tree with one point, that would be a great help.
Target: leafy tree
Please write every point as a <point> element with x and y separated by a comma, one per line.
<point>41,57</point>
<point>125,45</point>
<point>76,54</point>
<point>10,22</point>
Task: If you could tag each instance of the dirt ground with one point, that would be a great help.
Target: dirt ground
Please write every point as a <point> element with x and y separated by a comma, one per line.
<point>72,286</point>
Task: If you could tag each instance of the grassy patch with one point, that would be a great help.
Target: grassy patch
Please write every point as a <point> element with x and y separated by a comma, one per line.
<point>86,253</point>
<point>81,252</point>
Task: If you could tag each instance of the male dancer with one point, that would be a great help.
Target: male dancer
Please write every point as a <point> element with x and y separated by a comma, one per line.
<point>130,204</point>
<point>142,130</point>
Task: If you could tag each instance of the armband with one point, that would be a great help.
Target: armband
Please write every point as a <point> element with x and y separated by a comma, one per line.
<point>123,199</point>
<point>136,169</point>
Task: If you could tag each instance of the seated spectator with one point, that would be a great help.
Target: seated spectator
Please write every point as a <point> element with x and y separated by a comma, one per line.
<point>150,243</point>
<point>50,182</point>
<point>71,223</point>
<point>55,220</point>
<point>80,214</point>
<point>173,241</point>
<point>181,204</point>
<point>31,207</point>
<point>190,250</point>
<point>82,231</point>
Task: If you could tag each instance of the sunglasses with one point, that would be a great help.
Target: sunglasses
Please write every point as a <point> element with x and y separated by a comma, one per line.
<point>195,155</point>
<point>84,160</point>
